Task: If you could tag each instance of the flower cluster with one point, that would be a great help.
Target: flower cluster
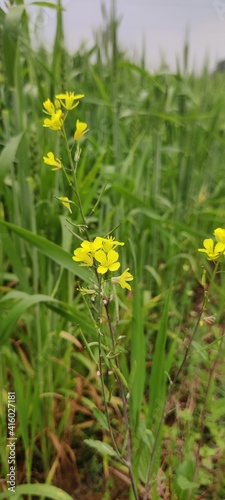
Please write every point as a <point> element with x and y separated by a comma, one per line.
<point>57,113</point>
<point>101,253</point>
<point>214,249</point>
<point>56,118</point>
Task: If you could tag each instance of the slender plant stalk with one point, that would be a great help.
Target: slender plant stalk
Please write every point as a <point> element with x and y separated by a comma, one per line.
<point>73,184</point>
<point>203,412</point>
<point>128,460</point>
<point>124,402</point>
<point>172,383</point>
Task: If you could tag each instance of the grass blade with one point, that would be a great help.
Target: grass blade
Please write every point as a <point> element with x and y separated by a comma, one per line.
<point>40,490</point>
<point>51,250</point>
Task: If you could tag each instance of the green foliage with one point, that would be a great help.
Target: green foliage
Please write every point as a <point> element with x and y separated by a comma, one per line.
<point>43,490</point>
<point>102,448</point>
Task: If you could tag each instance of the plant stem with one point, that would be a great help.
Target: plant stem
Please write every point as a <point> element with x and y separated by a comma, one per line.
<point>73,184</point>
<point>105,401</point>
<point>124,402</point>
<point>204,305</point>
<point>128,461</point>
<point>151,461</point>
<point>203,412</point>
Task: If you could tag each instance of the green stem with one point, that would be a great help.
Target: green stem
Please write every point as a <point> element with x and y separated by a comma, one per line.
<point>203,308</point>
<point>151,461</point>
<point>124,402</point>
<point>74,184</point>
<point>105,401</point>
<point>100,366</point>
<point>128,462</point>
<point>203,412</point>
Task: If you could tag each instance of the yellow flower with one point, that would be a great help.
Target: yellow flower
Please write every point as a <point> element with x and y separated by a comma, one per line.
<point>49,107</point>
<point>101,249</point>
<point>66,202</point>
<point>212,250</point>
<point>86,252</point>
<point>109,243</point>
<point>51,160</point>
<point>69,97</point>
<point>91,246</point>
<point>55,122</point>
<point>123,278</point>
<point>80,255</point>
<point>220,234</point>
<point>108,261</point>
<point>81,129</point>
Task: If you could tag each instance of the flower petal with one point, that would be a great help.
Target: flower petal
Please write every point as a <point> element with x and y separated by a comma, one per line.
<point>220,234</point>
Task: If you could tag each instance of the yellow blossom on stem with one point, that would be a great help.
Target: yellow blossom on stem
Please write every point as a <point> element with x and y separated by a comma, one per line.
<point>81,129</point>
<point>212,250</point>
<point>220,234</point>
<point>108,261</point>
<point>123,278</point>
<point>80,255</point>
<point>102,251</point>
<point>49,107</point>
<point>109,243</point>
<point>55,122</point>
<point>91,246</point>
<point>51,160</point>
<point>86,252</point>
<point>68,98</point>
<point>66,202</point>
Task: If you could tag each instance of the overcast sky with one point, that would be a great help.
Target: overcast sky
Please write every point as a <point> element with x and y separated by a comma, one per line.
<point>161,25</point>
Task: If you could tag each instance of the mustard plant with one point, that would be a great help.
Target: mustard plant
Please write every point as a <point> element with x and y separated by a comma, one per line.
<point>101,256</point>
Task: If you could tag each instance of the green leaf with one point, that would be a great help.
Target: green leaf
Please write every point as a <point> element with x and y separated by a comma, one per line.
<point>51,250</point>
<point>47,4</point>
<point>119,374</point>
<point>138,369</point>
<point>102,448</point>
<point>185,484</point>
<point>10,39</point>
<point>26,301</point>
<point>8,323</point>
<point>8,154</point>
<point>72,314</point>
<point>14,256</point>
<point>36,490</point>
<point>101,418</point>
<point>158,378</point>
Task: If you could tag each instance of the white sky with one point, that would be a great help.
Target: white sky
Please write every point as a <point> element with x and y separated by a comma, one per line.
<point>161,25</point>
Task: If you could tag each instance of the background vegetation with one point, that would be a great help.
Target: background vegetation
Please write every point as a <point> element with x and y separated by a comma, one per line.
<point>157,142</point>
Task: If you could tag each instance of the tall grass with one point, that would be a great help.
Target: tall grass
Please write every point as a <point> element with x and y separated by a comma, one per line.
<point>156,143</point>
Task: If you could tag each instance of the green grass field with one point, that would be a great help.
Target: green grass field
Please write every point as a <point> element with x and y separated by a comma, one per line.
<point>122,398</point>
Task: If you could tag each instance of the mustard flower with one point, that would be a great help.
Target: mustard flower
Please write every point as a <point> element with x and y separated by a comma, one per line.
<point>69,97</point>
<point>80,255</point>
<point>212,250</point>
<point>55,122</point>
<point>91,246</point>
<point>101,250</point>
<point>66,202</point>
<point>108,261</point>
<point>81,129</point>
<point>109,243</point>
<point>123,278</point>
<point>86,252</point>
<point>220,234</point>
<point>49,107</point>
<point>51,160</point>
